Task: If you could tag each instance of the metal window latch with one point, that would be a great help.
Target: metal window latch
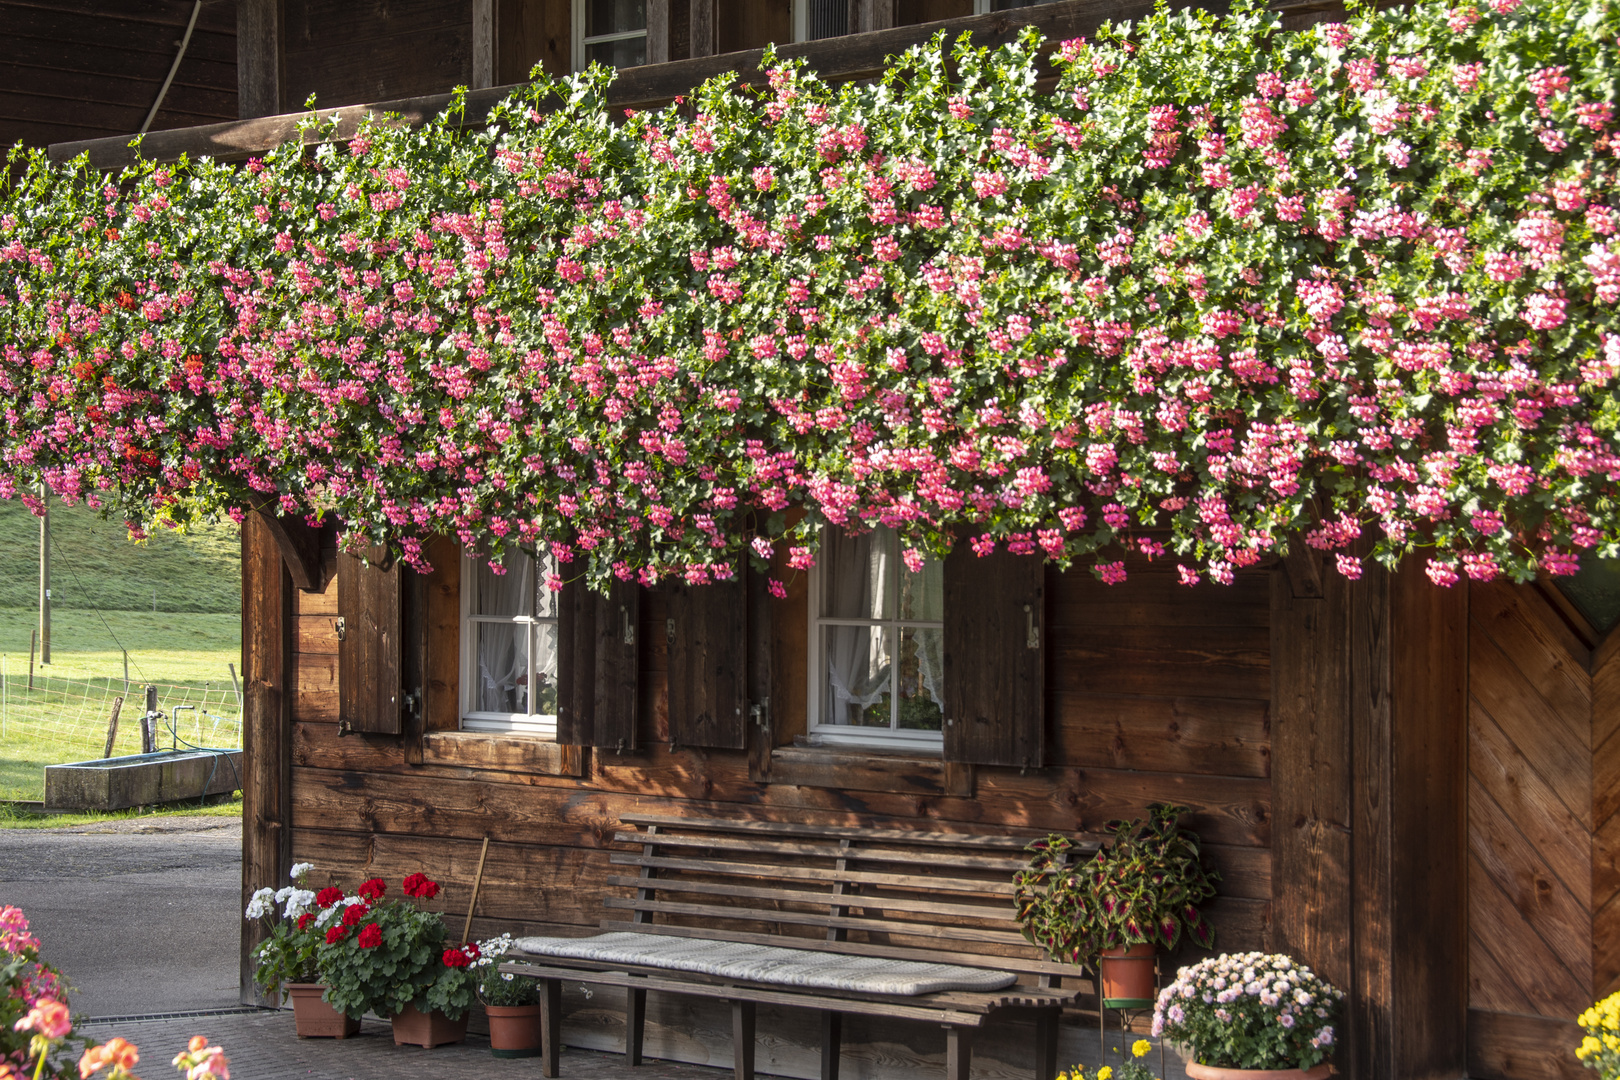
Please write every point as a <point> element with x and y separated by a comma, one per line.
<point>629,629</point>
<point>413,703</point>
<point>760,713</point>
<point>1032,636</point>
<point>342,628</point>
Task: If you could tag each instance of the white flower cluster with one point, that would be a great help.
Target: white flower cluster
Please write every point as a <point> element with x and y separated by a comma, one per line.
<point>299,869</point>
<point>295,901</point>
<point>490,952</point>
<point>261,904</point>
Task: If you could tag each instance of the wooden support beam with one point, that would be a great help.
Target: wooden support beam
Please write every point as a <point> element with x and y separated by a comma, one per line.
<point>267,654</point>
<point>300,548</point>
<point>704,32</point>
<point>483,44</point>
<point>870,15</point>
<point>1409,706</point>
<point>657,31</point>
<point>258,58</point>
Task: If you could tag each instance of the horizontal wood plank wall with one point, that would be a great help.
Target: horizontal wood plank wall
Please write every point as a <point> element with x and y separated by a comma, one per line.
<point>411,47</point>
<point>77,69</point>
<point>1157,693</point>
<point>1535,824</point>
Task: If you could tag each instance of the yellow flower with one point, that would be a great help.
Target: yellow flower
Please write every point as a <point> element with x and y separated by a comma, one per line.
<point>1589,1046</point>
<point>1141,1047</point>
<point>1105,1072</point>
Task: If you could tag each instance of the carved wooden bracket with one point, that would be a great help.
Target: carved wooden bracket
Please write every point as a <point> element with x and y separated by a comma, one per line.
<point>300,549</point>
<point>1301,566</point>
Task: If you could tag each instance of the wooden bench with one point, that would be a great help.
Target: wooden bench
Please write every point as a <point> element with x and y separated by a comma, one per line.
<point>892,893</point>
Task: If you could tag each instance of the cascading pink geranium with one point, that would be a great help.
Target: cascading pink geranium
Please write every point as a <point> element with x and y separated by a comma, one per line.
<point>1221,287</point>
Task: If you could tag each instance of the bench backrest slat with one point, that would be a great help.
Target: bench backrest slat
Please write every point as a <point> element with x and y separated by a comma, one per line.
<point>892,892</point>
<point>816,873</point>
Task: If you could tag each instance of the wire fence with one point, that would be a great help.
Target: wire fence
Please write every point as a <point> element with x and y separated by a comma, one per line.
<point>68,719</point>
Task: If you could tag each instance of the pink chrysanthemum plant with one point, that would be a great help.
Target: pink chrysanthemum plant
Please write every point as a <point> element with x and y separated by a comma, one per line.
<point>1250,1011</point>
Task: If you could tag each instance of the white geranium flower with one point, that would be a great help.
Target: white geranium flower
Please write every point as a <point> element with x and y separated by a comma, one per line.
<point>261,904</point>
<point>297,901</point>
<point>300,869</point>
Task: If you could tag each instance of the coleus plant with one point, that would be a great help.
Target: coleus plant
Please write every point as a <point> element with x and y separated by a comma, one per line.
<point>1221,289</point>
<point>1143,887</point>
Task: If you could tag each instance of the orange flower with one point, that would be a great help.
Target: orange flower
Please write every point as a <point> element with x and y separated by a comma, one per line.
<point>48,1017</point>
<point>117,1052</point>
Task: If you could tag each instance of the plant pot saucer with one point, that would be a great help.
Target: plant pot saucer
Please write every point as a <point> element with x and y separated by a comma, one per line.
<point>1127,1003</point>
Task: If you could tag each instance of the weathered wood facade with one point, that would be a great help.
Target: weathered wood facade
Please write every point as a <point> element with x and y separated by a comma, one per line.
<point>1404,786</point>
<point>1412,789</point>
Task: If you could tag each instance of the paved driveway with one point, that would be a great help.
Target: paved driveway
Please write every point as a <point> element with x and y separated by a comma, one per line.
<point>142,916</point>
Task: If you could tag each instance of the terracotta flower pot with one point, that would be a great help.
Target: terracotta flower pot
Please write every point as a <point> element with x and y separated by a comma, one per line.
<point>314,1018</point>
<point>412,1027</point>
<point>1127,976</point>
<point>514,1030</point>
<point>1216,1072</point>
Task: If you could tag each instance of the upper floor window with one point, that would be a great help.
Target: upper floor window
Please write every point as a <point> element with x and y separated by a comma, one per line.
<point>508,647</point>
<point>817,19</point>
<point>611,32</point>
<point>876,643</point>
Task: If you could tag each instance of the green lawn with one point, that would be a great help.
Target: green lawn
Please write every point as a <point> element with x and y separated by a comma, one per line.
<point>65,717</point>
<point>11,818</point>
<point>94,564</point>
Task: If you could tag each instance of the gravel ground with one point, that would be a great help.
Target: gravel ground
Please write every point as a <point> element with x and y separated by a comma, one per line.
<point>140,915</point>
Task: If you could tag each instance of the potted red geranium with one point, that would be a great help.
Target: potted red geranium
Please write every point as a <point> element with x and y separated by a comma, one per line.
<point>388,956</point>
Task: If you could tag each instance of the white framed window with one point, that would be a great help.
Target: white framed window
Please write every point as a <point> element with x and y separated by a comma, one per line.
<point>611,32</point>
<point>817,19</point>
<point>508,647</point>
<point>877,644</point>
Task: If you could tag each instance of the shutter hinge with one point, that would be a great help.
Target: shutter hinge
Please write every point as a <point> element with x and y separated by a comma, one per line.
<point>760,713</point>
<point>342,628</point>
<point>629,628</point>
<point>1032,633</point>
<point>413,704</point>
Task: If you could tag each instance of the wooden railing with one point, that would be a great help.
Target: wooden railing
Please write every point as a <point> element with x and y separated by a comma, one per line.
<point>841,59</point>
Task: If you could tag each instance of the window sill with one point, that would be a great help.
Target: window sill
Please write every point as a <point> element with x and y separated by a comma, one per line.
<point>518,753</point>
<point>903,771</point>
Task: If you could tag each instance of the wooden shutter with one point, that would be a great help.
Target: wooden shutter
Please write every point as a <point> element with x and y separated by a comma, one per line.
<point>618,632</point>
<point>995,636</point>
<point>708,665</point>
<point>369,654</point>
<point>576,665</point>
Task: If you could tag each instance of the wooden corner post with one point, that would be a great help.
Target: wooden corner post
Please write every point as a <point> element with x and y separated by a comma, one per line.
<point>267,652</point>
<point>1409,678</point>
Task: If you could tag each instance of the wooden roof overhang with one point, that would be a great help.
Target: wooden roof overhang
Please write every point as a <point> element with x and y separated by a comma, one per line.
<point>837,60</point>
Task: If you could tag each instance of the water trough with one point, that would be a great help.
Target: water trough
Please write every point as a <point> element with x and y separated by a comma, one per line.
<point>118,783</point>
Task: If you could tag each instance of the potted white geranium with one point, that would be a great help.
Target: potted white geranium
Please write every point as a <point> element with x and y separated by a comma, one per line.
<point>1250,1016</point>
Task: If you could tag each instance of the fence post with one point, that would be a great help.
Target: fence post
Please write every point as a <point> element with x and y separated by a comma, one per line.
<point>237,684</point>
<point>2,695</point>
<point>112,726</point>
<point>149,722</point>
<point>33,639</point>
<point>126,671</point>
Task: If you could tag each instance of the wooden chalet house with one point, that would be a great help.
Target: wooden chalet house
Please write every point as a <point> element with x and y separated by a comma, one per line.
<point>1412,789</point>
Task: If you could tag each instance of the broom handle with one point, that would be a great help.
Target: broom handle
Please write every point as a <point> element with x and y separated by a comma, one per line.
<point>478,881</point>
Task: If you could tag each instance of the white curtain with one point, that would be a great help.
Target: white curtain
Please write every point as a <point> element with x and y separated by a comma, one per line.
<point>503,648</point>
<point>858,660</point>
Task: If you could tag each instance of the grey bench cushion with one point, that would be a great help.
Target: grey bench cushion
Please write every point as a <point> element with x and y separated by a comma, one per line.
<point>769,963</point>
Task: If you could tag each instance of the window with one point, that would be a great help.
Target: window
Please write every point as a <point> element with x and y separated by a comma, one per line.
<point>611,32</point>
<point>986,7</point>
<point>508,647</point>
<point>817,19</point>
<point>877,643</point>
